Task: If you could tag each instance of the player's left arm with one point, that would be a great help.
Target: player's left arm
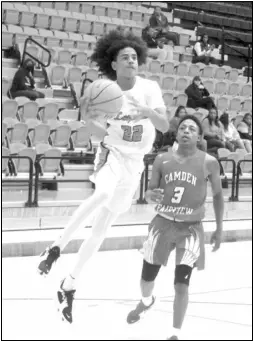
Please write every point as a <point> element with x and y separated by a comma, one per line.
<point>159,119</point>
<point>213,169</point>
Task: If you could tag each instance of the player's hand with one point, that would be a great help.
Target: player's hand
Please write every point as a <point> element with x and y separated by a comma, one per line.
<point>140,111</point>
<point>154,196</point>
<point>216,240</point>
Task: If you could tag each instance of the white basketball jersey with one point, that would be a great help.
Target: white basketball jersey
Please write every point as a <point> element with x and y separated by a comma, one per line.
<point>130,137</point>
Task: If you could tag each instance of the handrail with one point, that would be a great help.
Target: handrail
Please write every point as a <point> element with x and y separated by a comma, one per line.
<point>238,177</point>
<point>33,57</point>
<point>232,197</point>
<point>30,180</point>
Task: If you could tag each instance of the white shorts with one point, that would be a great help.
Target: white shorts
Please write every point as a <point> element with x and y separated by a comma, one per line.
<point>119,176</point>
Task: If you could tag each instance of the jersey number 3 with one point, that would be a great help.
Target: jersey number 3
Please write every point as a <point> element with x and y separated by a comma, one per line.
<point>178,194</point>
<point>132,134</point>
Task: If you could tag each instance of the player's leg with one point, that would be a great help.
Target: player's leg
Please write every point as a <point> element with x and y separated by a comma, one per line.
<point>65,294</point>
<point>157,248</point>
<point>106,182</point>
<point>187,253</point>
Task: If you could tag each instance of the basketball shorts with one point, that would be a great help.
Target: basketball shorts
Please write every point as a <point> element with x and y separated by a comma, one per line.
<point>118,175</point>
<point>165,235</point>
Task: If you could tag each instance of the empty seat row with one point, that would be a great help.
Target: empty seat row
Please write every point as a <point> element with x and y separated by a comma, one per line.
<point>67,21</point>
<point>238,155</point>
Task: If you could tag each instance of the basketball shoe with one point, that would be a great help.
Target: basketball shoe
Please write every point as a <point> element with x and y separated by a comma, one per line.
<point>48,257</point>
<point>65,302</point>
<point>136,314</point>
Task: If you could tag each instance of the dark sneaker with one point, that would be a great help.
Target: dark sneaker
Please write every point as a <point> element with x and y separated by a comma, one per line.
<point>173,338</point>
<point>49,256</point>
<point>65,302</point>
<point>136,314</point>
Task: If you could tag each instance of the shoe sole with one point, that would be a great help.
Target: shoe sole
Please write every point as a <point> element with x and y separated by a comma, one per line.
<point>59,310</point>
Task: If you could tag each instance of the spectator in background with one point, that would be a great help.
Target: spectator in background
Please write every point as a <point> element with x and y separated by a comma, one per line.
<point>160,23</point>
<point>202,52</point>
<point>230,132</point>
<point>198,95</point>
<point>170,136</point>
<point>245,131</point>
<point>23,83</point>
<point>155,45</point>
<point>214,133</point>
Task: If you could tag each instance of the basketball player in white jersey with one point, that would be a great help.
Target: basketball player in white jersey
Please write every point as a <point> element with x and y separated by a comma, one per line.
<point>119,161</point>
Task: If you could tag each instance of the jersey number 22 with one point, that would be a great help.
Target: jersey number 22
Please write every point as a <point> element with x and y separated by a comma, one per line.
<point>132,134</point>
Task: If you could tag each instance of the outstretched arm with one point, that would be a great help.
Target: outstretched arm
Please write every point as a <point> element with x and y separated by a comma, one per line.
<point>154,194</point>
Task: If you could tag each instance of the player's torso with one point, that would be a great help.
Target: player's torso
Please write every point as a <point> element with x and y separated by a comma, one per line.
<point>185,186</point>
<point>128,136</point>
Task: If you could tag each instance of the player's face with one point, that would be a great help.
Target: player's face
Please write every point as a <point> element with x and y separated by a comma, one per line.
<point>126,64</point>
<point>188,133</point>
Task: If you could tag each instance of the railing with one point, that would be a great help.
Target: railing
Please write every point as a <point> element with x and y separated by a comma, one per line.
<point>38,180</point>
<point>232,197</point>
<point>238,177</point>
<point>29,180</point>
<point>33,57</point>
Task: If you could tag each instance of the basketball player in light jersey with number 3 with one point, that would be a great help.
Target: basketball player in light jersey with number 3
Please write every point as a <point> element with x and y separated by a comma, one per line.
<point>119,160</point>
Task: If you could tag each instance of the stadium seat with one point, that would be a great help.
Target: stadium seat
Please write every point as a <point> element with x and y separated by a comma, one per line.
<point>181,84</point>
<point>41,148</point>
<point>168,83</point>
<point>228,166</point>
<point>39,135</point>
<point>209,84</point>
<point>5,167</point>
<point>60,138</point>
<point>182,69</point>
<point>64,57</point>
<point>81,140</point>
<point>50,39</point>
<point>208,71</point>
<point>50,112</point>
<point>49,168</point>
<point>220,73</point>
<point>16,147</point>
<point>6,84</point>
<point>74,6</point>
<point>26,16</point>
<point>74,74</point>
<point>9,108</point>
<point>234,89</point>
<point>194,70</point>
<point>235,104</point>
<point>181,99</point>
<point>61,5</point>
<point>41,17</point>
<point>246,167</point>
<point>19,133</point>
<point>11,14</point>
<point>85,26</point>
<point>168,98</point>
<point>233,75</point>
<point>68,115</point>
<point>155,78</point>
<point>92,74</point>
<point>22,166</point>
<point>221,88</point>
<point>246,90</point>
<point>65,41</point>
<point>247,105</point>
<point>222,103</point>
<point>223,153</point>
<point>87,7</point>
<point>4,133</point>
<point>80,58</point>
<point>47,4</point>
<point>69,21</point>
<point>21,101</point>
<point>154,66</point>
<point>33,50</point>
<point>19,35</point>
<point>30,111</point>
<point>57,75</point>
<point>169,68</point>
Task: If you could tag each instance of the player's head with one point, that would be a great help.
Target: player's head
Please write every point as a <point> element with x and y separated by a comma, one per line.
<point>189,131</point>
<point>119,54</point>
<point>180,112</point>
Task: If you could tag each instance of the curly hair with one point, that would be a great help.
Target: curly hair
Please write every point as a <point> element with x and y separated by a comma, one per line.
<point>108,47</point>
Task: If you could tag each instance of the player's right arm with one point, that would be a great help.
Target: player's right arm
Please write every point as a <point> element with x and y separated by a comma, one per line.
<point>154,194</point>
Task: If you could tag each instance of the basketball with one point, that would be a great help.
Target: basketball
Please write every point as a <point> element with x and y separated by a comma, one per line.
<point>105,96</point>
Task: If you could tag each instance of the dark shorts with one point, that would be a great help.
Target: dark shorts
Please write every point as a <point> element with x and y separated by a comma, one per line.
<point>165,235</point>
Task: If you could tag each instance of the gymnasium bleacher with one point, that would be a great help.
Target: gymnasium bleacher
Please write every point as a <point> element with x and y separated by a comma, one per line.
<point>51,128</point>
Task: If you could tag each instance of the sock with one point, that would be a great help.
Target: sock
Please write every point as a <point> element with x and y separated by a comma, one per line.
<point>175,332</point>
<point>69,283</point>
<point>147,300</point>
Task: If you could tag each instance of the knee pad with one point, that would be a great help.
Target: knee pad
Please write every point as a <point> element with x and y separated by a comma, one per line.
<point>183,274</point>
<point>149,271</point>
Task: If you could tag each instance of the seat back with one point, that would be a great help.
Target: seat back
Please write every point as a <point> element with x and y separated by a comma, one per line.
<point>234,89</point>
<point>30,110</point>
<point>19,133</point>
<point>51,165</point>
<point>168,83</point>
<point>246,90</point>
<point>81,138</point>
<point>41,134</point>
<point>5,152</point>
<point>181,84</point>
<point>50,112</point>
<point>221,88</point>
<point>23,165</point>
<point>61,137</point>
<point>57,75</point>
<point>9,108</point>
